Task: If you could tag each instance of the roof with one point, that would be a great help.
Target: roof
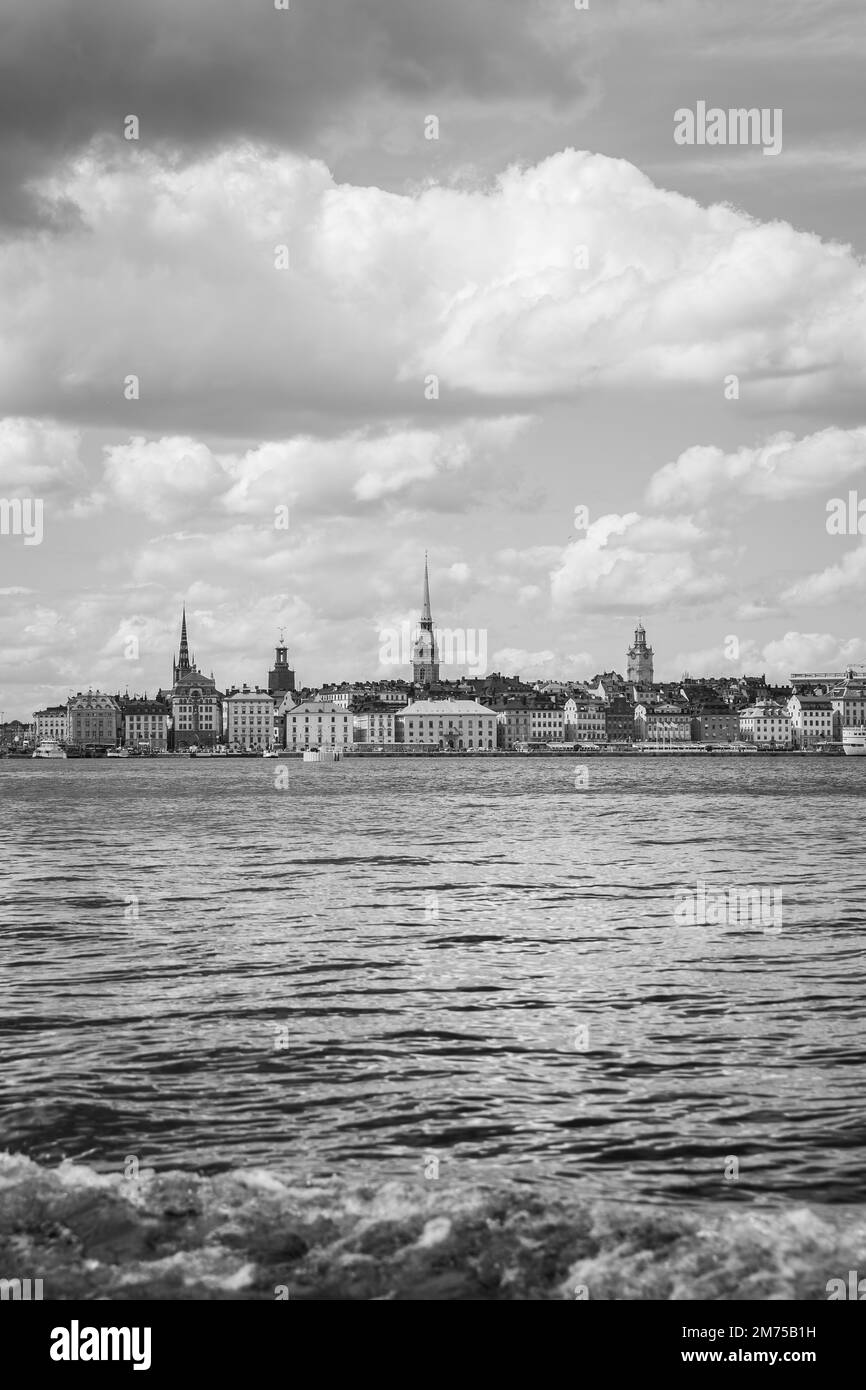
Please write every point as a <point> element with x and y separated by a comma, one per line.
<point>441,707</point>
<point>317,707</point>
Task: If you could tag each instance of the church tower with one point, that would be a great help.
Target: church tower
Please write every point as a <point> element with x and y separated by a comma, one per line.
<point>425,658</point>
<point>640,659</point>
<point>281,678</point>
<point>182,665</point>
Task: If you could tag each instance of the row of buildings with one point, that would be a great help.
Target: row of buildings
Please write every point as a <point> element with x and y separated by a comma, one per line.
<point>486,712</point>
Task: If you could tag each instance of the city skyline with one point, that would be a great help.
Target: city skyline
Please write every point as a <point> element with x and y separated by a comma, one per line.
<point>596,372</point>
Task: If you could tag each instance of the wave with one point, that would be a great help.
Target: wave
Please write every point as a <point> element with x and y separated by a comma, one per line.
<point>262,1234</point>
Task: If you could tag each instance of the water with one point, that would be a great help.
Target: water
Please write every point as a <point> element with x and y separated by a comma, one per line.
<point>468,960</point>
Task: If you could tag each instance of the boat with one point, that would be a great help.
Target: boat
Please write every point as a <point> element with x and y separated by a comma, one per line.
<point>854,740</point>
<point>193,751</point>
<point>118,753</point>
<point>271,753</point>
<point>49,748</point>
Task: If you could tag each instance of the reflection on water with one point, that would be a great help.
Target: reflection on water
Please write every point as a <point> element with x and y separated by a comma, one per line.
<point>471,960</point>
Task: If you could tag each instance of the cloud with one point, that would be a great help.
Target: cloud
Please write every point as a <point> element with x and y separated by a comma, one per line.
<point>636,563</point>
<point>780,468</point>
<point>542,665</point>
<point>177,266</point>
<point>843,580</point>
<point>179,477</point>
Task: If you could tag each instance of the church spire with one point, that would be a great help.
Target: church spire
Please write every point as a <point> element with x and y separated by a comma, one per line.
<point>183,656</point>
<point>426,615</point>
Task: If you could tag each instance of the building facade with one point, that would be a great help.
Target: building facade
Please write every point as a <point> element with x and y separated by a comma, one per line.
<point>766,724</point>
<point>248,719</point>
<point>715,722</point>
<point>145,725</point>
<point>813,720</point>
<point>584,721</point>
<point>52,722</point>
<point>93,720</point>
<point>376,726</point>
<point>448,724</point>
<point>318,724</point>
<point>619,720</point>
<point>662,724</point>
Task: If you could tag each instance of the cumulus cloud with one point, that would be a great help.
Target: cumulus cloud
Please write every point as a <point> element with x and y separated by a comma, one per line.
<point>480,288</point>
<point>636,562</point>
<point>842,580</point>
<point>178,477</point>
<point>780,468</point>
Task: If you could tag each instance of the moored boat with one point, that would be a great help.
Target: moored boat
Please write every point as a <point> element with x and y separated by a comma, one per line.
<point>49,748</point>
<point>854,740</point>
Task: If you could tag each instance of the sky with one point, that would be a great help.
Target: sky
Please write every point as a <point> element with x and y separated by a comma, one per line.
<point>289,296</point>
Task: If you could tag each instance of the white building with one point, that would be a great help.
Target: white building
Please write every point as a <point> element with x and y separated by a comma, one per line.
<point>584,721</point>
<point>448,724</point>
<point>317,724</point>
<point>662,723</point>
<point>812,719</point>
<point>248,718</point>
<point>51,723</point>
<point>766,724</point>
<point>376,727</point>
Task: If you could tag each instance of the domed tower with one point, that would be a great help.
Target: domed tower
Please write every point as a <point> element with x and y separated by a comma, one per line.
<point>425,658</point>
<point>640,659</point>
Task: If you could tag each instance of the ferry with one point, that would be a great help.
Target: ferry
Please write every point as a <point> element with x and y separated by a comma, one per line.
<point>854,740</point>
<point>271,753</point>
<point>49,748</point>
<point>118,753</point>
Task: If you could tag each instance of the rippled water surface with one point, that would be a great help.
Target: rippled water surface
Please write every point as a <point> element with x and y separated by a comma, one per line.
<point>467,958</point>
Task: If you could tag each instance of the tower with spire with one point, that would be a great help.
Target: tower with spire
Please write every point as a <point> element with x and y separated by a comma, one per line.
<point>281,678</point>
<point>425,658</point>
<point>196,704</point>
<point>183,664</point>
<point>640,658</point>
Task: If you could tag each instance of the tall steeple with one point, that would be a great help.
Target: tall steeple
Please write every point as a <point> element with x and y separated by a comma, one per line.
<point>425,658</point>
<point>183,664</point>
<point>281,678</point>
<point>426,617</point>
<point>640,659</point>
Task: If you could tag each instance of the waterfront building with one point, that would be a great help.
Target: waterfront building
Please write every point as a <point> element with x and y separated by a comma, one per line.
<point>145,724</point>
<point>766,724</point>
<point>713,721</point>
<point>640,659</point>
<point>52,722</point>
<point>376,724</point>
<point>196,704</point>
<point>584,721</point>
<point>16,734</point>
<point>848,699</point>
<point>619,720</point>
<point>449,724</point>
<point>317,724</point>
<point>248,719</point>
<point>93,720</point>
<point>812,719</point>
<point>662,723</point>
<point>281,678</point>
<point>342,695</point>
<point>425,657</point>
